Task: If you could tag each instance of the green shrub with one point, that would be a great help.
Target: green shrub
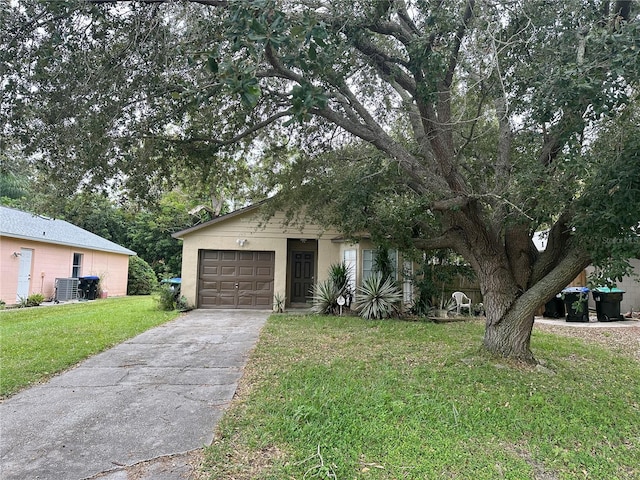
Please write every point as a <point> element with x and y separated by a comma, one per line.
<point>339,275</point>
<point>325,297</point>
<point>166,298</point>
<point>182,305</point>
<point>325,294</point>
<point>32,300</point>
<point>378,297</point>
<point>142,279</point>
<point>383,263</point>
<point>35,299</point>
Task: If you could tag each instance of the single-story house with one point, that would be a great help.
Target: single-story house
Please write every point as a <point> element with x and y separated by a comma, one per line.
<point>36,250</point>
<point>239,260</point>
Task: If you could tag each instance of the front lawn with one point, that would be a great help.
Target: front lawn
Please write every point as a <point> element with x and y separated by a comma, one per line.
<point>345,398</point>
<point>38,342</point>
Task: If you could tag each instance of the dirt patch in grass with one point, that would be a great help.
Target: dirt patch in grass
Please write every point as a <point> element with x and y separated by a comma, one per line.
<point>623,340</point>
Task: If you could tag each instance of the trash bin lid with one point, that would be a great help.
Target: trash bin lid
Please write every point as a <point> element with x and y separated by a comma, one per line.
<point>175,280</point>
<point>90,277</point>
<point>576,290</point>
<point>608,290</point>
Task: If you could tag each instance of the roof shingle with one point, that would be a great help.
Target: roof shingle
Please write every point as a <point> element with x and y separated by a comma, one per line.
<point>28,226</point>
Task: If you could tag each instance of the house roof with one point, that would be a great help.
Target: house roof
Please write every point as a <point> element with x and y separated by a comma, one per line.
<point>28,226</point>
<point>219,219</point>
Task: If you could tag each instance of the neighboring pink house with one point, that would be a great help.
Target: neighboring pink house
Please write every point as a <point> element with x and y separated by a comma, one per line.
<point>37,250</point>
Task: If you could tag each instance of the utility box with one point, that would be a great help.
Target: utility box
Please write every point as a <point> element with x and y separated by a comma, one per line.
<point>66,289</point>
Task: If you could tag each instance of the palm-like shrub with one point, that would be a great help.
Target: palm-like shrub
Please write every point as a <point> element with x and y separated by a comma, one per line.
<point>339,275</point>
<point>325,294</point>
<point>378,297</point>
<point>325,297</point>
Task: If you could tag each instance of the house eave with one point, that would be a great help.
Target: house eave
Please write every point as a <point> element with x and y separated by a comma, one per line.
<point>124,251</point>
<point>181,234</point>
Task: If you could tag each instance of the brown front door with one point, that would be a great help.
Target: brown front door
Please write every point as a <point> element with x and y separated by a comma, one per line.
<point>302,276</point>
<point>235,279</point>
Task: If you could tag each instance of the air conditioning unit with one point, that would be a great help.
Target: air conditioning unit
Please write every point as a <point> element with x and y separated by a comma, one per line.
<point>66,289</point>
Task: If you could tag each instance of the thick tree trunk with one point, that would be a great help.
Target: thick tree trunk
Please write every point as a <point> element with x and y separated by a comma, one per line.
<point>510,311</point>
<point>508,327</point>
<point>510,336</point>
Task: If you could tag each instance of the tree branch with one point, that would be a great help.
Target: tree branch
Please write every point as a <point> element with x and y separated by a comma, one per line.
<point>384,64</point>
<point>453,60</point>
<point>435,243</point>
<point>209,3</point>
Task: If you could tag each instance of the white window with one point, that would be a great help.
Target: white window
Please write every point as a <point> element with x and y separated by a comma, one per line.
<point>349,259</point>
<point>369,260</point>
<point>407,283</point>
<point>368,257</point>
<point>76,271</point>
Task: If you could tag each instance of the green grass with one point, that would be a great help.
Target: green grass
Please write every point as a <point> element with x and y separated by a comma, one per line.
<point>345,398</point>
<point>36,343</point>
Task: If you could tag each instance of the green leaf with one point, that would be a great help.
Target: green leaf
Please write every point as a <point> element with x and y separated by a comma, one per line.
<point>212,64</point>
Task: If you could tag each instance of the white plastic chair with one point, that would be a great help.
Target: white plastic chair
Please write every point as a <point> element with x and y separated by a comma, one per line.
<point>462,301</point>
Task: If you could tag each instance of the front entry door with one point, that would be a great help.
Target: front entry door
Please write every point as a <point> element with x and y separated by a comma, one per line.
<point>24,274</point>
<point>302,276</point>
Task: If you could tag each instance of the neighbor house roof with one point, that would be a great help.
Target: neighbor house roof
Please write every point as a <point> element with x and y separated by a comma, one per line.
<point>28,226</point>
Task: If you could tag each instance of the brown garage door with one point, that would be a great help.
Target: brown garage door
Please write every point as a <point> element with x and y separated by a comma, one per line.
<point>235,279</point>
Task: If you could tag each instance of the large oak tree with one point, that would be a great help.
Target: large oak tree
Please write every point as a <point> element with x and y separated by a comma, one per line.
<point>493,119</point>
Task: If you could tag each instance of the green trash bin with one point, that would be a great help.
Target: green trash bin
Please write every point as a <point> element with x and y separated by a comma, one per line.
<point>608,303</point>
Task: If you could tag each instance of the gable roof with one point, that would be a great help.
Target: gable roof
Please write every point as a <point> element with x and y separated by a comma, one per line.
<point>28,226</point>
<point>219,219</point>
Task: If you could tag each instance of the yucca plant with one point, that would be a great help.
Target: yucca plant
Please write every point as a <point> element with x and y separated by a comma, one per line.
<point>339,275</point>
<point>325,297</point>
<point>378,297</point>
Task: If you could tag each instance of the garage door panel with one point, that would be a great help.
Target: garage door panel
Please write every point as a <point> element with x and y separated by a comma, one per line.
<point>227,285</point>
<point>227,301</point>
<point>228,255</point>
<point>229,271</point>
<point>245,270</point>
<point>210,270</point>
<point>264,302</point>
<point>236,279</point>
<point>262,271</point>
<point>246,301</point>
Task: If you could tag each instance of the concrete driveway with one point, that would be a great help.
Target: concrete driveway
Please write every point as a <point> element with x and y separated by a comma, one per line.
<point>156,395</point>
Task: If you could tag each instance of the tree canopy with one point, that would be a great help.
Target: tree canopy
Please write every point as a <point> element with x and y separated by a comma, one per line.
<point>464,124</point>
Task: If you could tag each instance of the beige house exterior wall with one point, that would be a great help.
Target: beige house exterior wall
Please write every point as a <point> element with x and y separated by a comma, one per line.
<point>631,287</point>
<point>247,231</point>
<point>51,261</point>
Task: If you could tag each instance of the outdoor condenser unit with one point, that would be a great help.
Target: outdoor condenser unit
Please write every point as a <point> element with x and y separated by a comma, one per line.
<point>66,289</point>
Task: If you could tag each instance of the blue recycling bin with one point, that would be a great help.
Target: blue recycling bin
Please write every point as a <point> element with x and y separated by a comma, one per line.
<point>174,284</point>
<point>608,303</point>
<point>576,302</point>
